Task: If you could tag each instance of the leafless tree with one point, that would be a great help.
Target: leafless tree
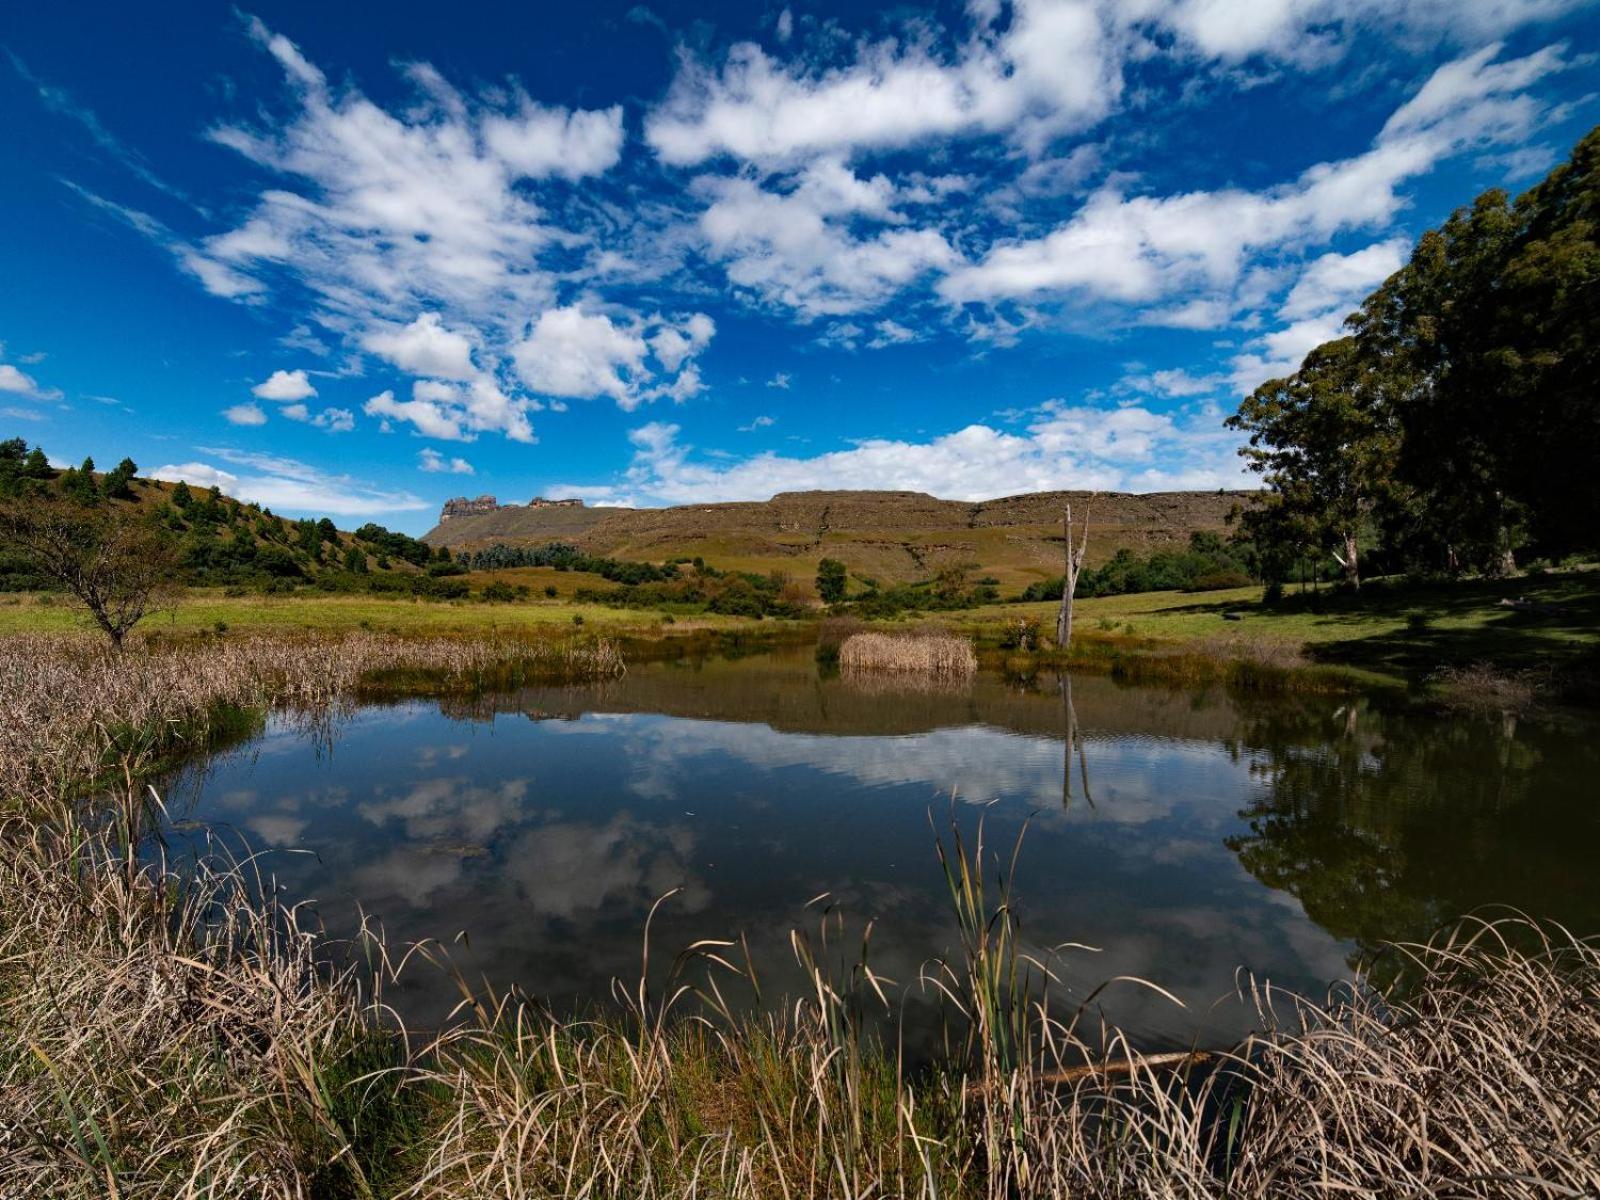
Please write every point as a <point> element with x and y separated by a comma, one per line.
<point>1069,583</point>
<point>116,564</point>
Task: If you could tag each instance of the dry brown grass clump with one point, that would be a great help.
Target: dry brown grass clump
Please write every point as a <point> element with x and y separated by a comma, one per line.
<point>926,654</point>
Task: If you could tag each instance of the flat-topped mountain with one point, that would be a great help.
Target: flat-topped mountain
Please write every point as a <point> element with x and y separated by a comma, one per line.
<point>893,536</point>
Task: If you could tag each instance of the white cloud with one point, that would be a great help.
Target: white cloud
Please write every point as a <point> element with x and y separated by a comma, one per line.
<point>1054,68</point>
<point>284,386</point>
<point>288,486</point>
<point>245,414</point>
<point>20,383</point>
<point>422,234</point>
<point>1312,32</point>
<point>1328,290</point>
<point>1340,281</point>
<point>800,249</point>
<point>571,353</point>
<point>332,420</point>
<point>761,422</point>
<point>536,141</point>
<point>780,381</point>
<point>425,347</point>
<point>1135,250</point>
<point>433,462</point>
<point>1125,449</point>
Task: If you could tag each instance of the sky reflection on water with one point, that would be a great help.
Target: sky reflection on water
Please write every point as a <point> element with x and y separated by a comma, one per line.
<point>543,826</point>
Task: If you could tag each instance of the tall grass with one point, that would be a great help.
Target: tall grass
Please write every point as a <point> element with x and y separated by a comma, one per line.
<point>167,1034</point>
<point>936,654</point>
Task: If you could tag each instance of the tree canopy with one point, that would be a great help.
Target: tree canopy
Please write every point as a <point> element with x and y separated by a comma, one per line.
<point>1456,426</point>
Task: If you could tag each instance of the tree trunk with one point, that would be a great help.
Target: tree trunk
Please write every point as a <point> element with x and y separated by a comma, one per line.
<point>1069,582</point>
<point>1350,561</point>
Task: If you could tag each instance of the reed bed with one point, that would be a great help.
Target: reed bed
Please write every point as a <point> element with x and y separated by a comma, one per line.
<point>70,708</point>
<point>931,654</point>
<point>182,1034</point>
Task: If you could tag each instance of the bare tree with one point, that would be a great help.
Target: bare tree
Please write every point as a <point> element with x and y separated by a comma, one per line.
<point>1069,583</point>
<point>119,567</point>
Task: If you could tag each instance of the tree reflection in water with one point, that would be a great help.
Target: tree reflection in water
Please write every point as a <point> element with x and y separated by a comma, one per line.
<point>1387,822</point>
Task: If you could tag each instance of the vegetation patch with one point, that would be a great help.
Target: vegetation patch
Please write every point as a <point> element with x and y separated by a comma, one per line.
<point>938,654</point>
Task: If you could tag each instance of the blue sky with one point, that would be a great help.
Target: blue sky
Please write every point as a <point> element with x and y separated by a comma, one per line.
<point>355,258</point>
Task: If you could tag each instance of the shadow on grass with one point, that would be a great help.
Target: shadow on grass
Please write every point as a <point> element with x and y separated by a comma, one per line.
<point>1462,624</point>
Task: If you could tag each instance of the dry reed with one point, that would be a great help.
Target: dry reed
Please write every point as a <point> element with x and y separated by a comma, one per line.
<point>924,654</point>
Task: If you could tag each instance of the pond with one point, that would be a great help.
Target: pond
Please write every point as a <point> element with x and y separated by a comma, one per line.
<point>1183,835</point>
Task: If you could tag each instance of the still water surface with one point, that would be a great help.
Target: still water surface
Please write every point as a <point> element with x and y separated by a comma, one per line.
<point>1185,835</point>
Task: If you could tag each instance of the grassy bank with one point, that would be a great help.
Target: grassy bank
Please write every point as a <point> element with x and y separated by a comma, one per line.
<point>167,1034</point>
<point>1387,637</point>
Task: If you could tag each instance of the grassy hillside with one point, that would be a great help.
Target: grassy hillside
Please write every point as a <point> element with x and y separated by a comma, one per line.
<point>893,537</point>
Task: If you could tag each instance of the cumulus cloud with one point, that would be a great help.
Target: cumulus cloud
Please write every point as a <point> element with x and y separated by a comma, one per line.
<point>285,387</point>
<point>801,248</point>
<point>433,462</point>
<point>1139,250</point>
<point>422,237</point>
<point>287,485</point>
<point>425,347</point>
<point>331,420</point>
<point>1130,448</point>
<point>573,353</point>
<point>1311,32</point>
<point>245,414</point>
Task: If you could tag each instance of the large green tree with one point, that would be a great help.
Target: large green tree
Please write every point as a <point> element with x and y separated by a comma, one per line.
<point>1488,339</point>
<point>1459,420</point>
<point>1324,440</point>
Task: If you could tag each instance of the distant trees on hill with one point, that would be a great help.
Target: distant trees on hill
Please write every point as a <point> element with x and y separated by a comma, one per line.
<point>1456,427</point>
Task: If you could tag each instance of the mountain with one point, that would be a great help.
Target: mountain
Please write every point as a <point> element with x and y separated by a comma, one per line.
<point>892,536</point>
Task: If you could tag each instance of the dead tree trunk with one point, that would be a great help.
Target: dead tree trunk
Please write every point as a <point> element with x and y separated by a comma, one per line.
<point>1350,561</point>
<point>1069,583</point>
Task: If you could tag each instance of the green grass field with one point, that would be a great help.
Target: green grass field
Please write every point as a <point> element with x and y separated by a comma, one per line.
<point>1387,632</point>
<point>202,610</point>
<point>1393,631</point>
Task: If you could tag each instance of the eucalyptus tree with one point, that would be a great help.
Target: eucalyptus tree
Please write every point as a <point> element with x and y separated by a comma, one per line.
<point>1324,441</point>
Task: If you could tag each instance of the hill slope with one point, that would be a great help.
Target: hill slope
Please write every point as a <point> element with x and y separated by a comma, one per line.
<point>891,536</point>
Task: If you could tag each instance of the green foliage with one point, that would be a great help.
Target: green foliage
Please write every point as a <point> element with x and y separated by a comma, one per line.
<point>831,580</point>
<point>389,544</point>
<point>1457,426</point>
<point>1207,564</point>
<point>116,481</point>
<point>504,593</point>
<point>565,557</point>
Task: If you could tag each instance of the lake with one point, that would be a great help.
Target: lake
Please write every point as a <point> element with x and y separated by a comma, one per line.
<point>1184,835</point>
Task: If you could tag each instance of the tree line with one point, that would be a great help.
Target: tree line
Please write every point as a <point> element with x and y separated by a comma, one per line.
<point>1454,428</point>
